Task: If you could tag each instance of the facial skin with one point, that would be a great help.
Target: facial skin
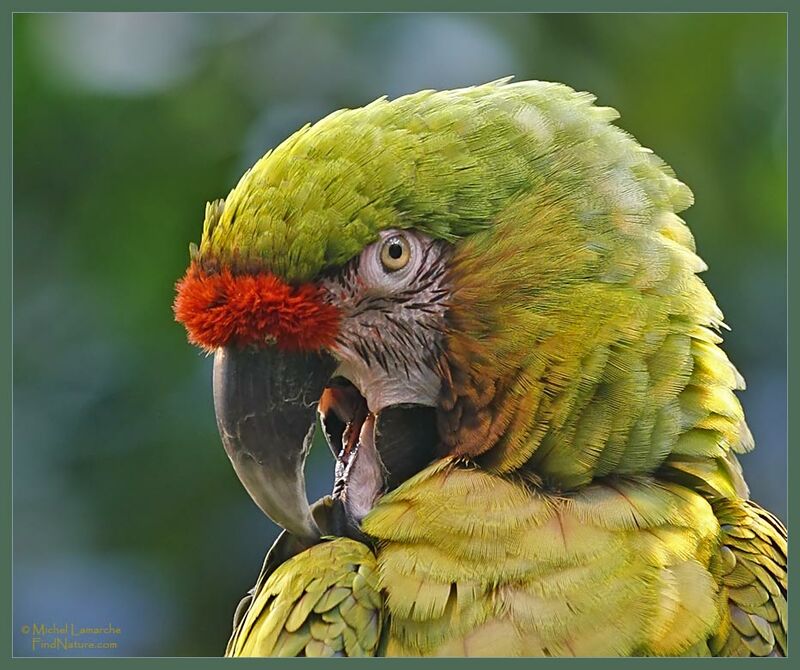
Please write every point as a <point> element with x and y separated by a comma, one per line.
<point>393,319</point>
<point>393,300</point>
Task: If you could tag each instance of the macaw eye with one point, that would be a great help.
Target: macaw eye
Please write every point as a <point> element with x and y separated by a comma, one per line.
<point>395,253</point>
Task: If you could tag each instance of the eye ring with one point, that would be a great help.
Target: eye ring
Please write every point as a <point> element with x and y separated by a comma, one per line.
<point>395,253</point>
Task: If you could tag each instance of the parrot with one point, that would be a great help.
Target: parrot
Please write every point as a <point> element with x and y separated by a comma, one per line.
<point>486,303</point>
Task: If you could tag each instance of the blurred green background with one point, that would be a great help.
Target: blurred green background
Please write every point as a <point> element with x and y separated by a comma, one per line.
<point>126,510</point>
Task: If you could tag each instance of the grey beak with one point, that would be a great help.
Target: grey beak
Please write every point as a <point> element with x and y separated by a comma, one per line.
<point>265,401</point>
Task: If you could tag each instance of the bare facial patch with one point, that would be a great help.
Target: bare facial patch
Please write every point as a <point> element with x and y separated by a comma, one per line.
<point>392,324</point>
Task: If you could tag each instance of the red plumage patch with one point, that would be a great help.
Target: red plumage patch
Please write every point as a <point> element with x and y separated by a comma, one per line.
<point>222,308</point>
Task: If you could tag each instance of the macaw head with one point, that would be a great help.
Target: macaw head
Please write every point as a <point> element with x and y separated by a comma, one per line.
<point>494,274</point>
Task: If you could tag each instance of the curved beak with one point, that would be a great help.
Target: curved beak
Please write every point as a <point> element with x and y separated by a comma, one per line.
<point>265,401</point>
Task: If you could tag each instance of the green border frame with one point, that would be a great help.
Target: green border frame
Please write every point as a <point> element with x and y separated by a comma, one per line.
<point>495,6</point>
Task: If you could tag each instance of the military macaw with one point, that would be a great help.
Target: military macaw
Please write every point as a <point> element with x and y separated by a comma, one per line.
<point>486,301</point>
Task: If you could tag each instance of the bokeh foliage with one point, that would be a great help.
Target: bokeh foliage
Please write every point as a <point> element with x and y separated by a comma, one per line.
<point>126,510</point>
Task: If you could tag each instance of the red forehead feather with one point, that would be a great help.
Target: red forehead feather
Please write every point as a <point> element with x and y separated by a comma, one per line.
<point>222,308</point>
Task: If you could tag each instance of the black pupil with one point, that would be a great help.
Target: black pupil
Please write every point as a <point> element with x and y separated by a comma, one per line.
<point>395,250</point>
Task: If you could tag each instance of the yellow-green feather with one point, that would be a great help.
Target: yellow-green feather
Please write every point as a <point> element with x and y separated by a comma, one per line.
<point>469,563</point>
<point>467,557</point>
<point>441,161</point>
<point>322,602</point>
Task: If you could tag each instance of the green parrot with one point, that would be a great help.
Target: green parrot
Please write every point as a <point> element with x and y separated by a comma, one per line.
<point>486,301</point>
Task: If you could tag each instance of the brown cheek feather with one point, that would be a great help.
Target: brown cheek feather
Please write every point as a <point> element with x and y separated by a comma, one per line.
<point>223,309</point>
